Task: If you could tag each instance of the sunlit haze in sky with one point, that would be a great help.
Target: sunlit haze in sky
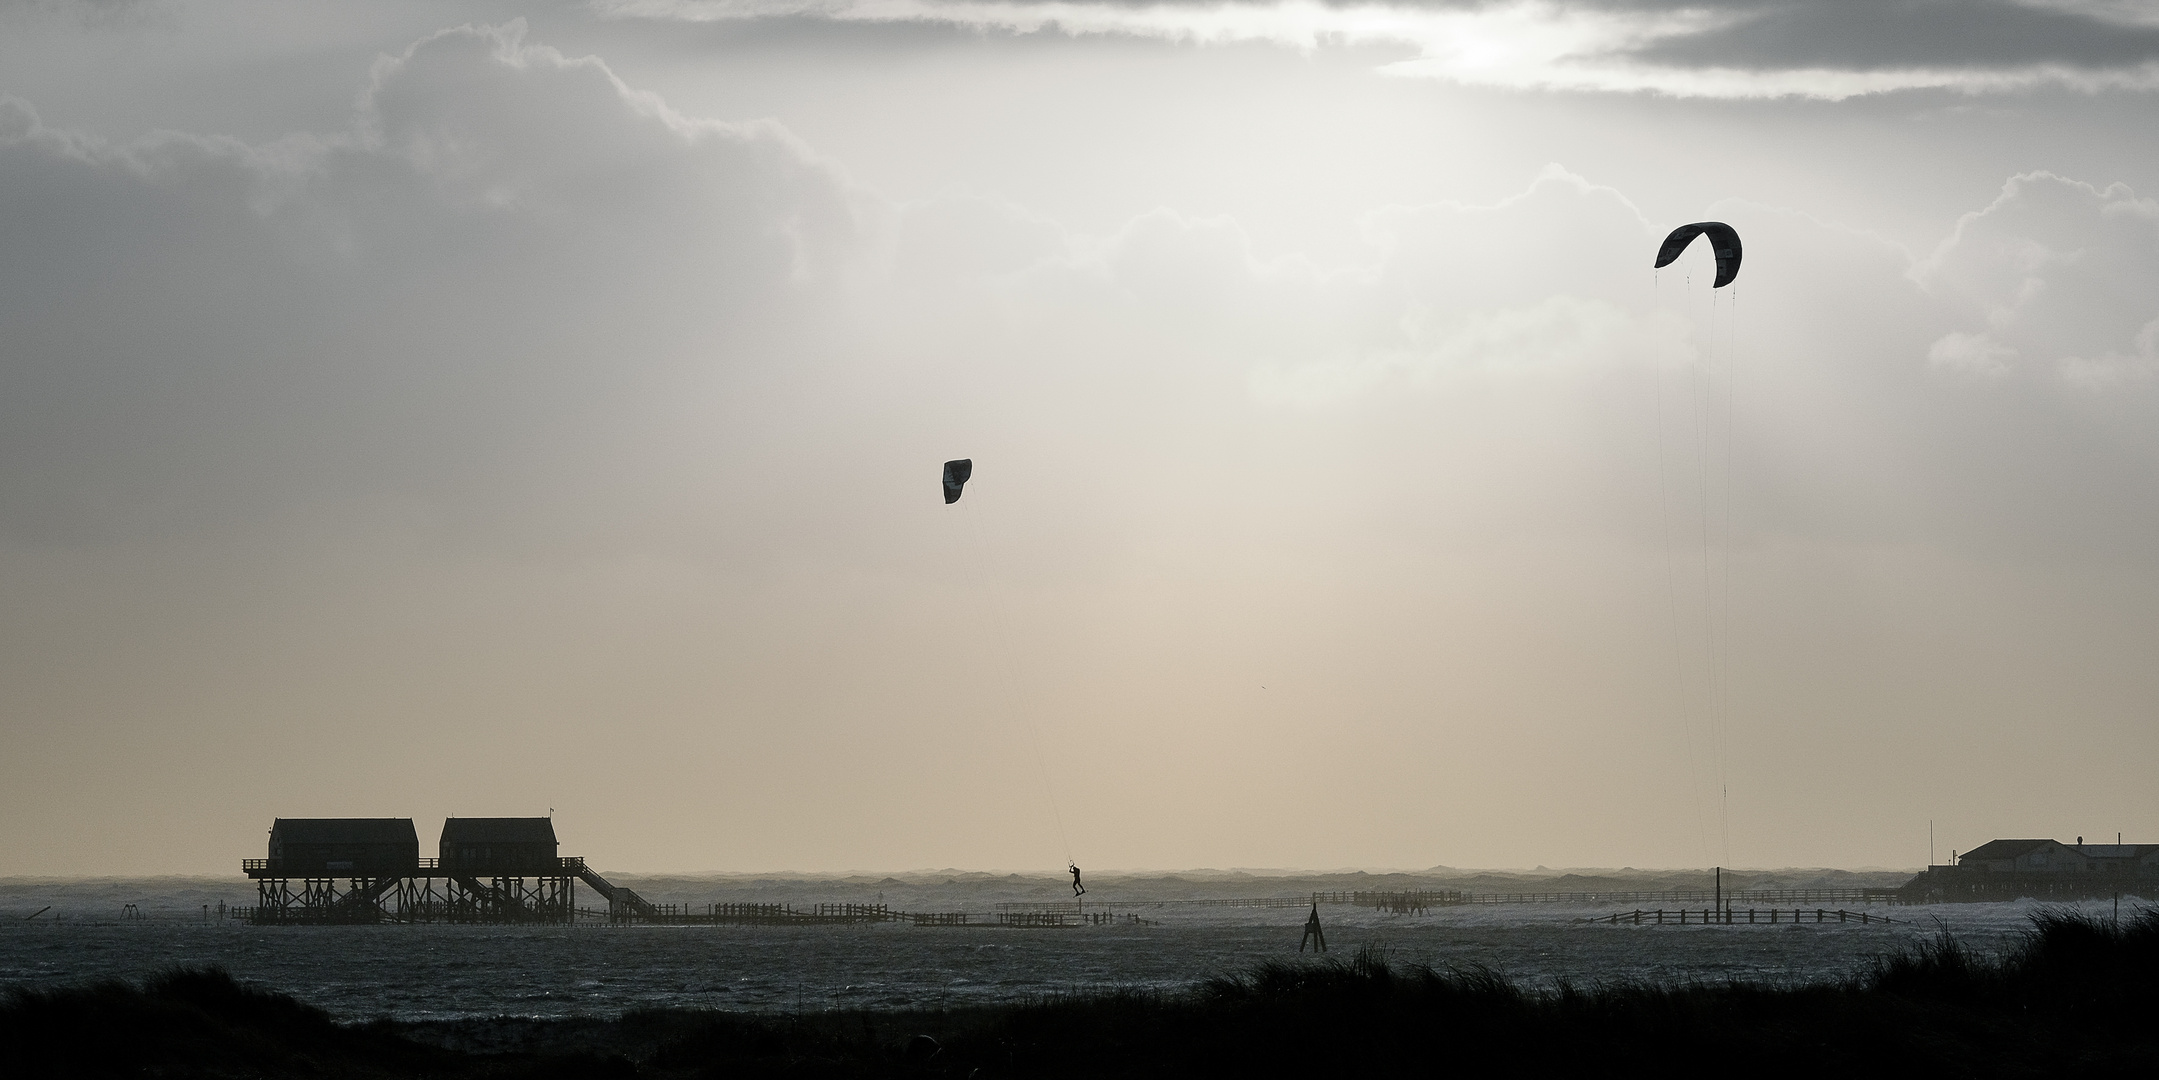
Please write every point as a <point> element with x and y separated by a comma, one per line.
<point>422,409</point>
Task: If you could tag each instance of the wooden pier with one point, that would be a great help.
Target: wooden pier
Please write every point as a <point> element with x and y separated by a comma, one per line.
<point>1769,897</point>
<point>427,891</point>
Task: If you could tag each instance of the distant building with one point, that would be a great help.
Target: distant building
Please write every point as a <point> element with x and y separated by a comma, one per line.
<point>2040,869</point>
<point>2023,857</point>
<point>2121,858</point>
<point>498,845</point>
<point>344,847</point>
<point>2055,857</point>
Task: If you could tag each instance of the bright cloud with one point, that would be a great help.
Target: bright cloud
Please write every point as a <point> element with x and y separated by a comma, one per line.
<point>1557,338</point>
<point>1797,48</point>
<point>2057,273</point>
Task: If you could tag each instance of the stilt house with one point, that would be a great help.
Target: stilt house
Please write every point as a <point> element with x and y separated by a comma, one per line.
<point>358,847</point>
<point>499,845</point>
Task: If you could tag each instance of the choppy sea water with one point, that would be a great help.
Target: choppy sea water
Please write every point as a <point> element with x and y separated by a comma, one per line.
<point>424,972</point>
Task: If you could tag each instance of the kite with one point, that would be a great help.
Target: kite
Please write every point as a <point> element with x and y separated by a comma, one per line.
<point>956,474</point>
<point>1723,242</point>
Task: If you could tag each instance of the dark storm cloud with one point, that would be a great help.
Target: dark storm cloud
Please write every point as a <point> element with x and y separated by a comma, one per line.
<point>1865,35</point>
<point>1856,35</point>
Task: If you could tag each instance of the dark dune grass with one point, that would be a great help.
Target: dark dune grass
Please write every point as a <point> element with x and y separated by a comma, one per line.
<point>2078,997</point>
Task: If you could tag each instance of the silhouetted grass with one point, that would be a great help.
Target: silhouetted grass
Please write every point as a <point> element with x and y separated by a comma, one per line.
<point>190,1022</point>
<point>2074,997</point>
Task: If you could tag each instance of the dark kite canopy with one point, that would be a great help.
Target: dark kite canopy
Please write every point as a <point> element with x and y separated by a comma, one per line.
<point>956,474</point>
<point>1723,241</point>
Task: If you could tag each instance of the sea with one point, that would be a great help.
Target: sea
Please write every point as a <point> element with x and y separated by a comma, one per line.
<point>1171,933</point>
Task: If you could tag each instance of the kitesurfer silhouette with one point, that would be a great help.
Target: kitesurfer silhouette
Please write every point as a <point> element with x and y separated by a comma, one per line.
<point>1077,888</point>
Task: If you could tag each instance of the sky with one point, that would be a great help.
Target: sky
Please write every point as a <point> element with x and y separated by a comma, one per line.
<point>501,409</point>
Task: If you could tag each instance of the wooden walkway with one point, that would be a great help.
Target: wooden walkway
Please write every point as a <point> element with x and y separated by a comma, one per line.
<point>1733,916</point>
<point>1688,907</point>
<point>1421,901</point>
<point>758,914</point>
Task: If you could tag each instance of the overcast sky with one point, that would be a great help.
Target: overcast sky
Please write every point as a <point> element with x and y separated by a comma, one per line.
<point>421,409</point>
